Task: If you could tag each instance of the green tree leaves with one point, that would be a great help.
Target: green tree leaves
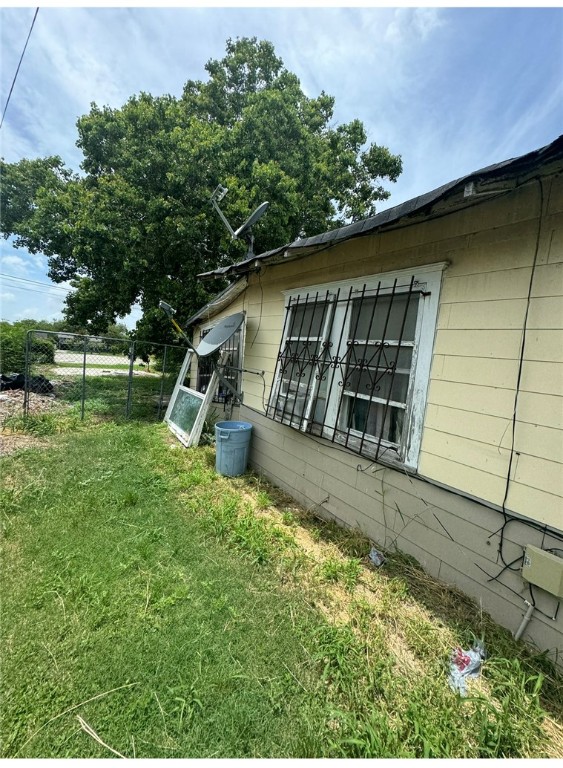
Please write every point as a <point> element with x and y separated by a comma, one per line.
<point>137,223</point>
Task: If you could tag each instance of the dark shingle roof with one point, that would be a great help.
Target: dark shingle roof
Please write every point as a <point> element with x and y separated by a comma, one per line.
<point>400,214</point>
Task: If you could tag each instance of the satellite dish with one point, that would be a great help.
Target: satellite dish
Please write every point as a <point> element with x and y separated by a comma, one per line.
<point>246,229</point>
<point>252,219</point>
<point>220,334</point>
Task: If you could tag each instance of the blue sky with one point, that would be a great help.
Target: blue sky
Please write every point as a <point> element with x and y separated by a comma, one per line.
<point>450,89</point>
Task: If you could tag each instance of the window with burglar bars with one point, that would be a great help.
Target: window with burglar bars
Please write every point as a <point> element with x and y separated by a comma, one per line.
<point>232,373</point>
<point>354,362</point>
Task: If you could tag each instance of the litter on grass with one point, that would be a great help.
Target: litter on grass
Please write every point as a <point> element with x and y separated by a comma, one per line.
<point>464,665</point>
<point>38,384</point>
<point>376,557</point>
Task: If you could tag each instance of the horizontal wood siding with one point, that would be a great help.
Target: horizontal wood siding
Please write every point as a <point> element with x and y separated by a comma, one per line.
<point>490,249</point>
<point>454,538</point>
<point>468,434</point>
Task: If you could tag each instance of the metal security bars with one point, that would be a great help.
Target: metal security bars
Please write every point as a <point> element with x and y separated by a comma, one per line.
<point>231,374</point>
<point>345,368</point>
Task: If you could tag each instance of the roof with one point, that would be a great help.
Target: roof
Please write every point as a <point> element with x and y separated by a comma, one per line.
<point>461,193</point>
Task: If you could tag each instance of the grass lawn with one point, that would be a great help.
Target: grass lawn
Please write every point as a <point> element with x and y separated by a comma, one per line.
<point>152,608</point>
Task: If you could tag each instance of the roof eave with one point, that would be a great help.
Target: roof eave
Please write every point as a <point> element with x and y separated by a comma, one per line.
<point>503,175</point>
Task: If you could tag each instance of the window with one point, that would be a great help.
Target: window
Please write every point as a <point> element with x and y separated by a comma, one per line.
<point>354,363</point>
<point>232,374</point>
<point>187,408</point>
<point>218,380</point>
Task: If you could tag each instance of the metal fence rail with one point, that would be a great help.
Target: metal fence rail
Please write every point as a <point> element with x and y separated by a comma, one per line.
<point>112,377</point>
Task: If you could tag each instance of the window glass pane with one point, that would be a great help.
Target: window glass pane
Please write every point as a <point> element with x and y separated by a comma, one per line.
<point>367,417</point>
<point>302,350</point>
<point>373,355</point>
<point>231,374</point>
<point>293,396</point>
<point>299,369</point>
<point>378,383</point>
<point>307,320</point>
<point>185,410</point>
<point>369,317</point>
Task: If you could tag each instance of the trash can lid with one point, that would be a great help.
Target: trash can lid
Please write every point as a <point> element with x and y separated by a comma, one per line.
<point>233,425</point>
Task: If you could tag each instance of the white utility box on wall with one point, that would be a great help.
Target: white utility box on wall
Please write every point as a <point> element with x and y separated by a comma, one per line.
<point>543,569</point>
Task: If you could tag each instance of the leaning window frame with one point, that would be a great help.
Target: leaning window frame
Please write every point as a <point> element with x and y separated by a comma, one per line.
<point>428,279</point>
<point>186,438</point>
<point>241,333</point>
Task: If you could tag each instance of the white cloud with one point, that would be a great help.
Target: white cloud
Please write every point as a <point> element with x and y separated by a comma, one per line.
<point>14,264</point>
<point>412,24</point>
<point>7,296</point>
<point>131,319</point>
<point>447,88</point>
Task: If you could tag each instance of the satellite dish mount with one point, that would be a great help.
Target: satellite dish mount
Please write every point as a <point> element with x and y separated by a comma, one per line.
<point>245,231</point>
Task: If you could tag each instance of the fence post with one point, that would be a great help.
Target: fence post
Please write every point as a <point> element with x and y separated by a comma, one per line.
<point>130,383</point>
<point>26,375</point>
<point>83,398</point>
<point>162,380</point>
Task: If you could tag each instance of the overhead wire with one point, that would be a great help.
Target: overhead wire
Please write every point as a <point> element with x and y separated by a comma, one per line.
<point>34,290</point>
<point>18,68</point>
<point>52,286</point>
<point>520,370</point>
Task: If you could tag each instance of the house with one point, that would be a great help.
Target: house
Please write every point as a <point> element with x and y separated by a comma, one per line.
<point>404,375</point>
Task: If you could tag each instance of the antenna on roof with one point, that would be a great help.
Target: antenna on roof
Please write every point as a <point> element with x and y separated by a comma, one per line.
<point>170,312</point>
<point>245,231</point>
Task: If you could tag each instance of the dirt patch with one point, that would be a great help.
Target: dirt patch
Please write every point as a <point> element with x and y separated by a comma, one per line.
<point>11,404</point>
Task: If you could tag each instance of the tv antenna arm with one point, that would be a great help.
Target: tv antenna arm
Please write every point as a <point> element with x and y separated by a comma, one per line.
<point>245,231</point>
<point>216,198</point>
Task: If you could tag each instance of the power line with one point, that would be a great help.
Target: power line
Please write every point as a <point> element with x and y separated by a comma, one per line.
<point>34,290</point>
<point>19,65</point>
<point>36,282</point>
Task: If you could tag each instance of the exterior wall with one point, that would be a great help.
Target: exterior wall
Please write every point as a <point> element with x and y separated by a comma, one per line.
<point>467,436</point>
<point>468,429</point>
<point>452,537</point>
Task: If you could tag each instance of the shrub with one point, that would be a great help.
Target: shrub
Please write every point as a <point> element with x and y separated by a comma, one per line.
<point>12,348</point>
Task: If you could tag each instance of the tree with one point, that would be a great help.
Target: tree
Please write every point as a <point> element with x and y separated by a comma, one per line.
<point>137,224</point>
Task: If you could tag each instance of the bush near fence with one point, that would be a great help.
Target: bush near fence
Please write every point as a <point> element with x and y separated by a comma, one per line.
<point>102,375</point>
<point>12,349</point>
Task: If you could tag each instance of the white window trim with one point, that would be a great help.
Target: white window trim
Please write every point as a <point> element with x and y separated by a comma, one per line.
<point>429,279</point>
<point>192,438</point>
<point>209,327</point>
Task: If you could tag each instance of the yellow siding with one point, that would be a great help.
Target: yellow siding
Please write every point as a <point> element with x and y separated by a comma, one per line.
<point>483,428</point>
<point>536,440</point>
<point>539,505</point>
<point>472,398</point>
<point>481,485</point>
<point>546,313</point>
<point>539,474</point>
<point>490,250</point>
<point>545,345</point>
<point>483,343</point>
<point>503,315</point>
<point>482,456</point>
<point>547,410</point>
<point>542,377</point>
<point>532,439</point>
<point>487,286</point>
<point>474,370</point>
<point>548,280</point>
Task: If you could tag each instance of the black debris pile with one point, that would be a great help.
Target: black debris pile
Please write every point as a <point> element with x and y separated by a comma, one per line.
<point>38,384</point>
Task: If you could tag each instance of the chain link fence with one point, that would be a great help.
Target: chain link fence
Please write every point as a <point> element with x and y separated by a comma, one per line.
<point>115,378</point>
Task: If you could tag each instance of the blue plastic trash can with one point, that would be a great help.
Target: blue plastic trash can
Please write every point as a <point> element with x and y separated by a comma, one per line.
<point>233,443</point>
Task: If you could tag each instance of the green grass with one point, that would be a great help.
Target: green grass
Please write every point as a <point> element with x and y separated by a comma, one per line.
<point>178,615</point>
<point>109,582</point>
<point>104,396</point>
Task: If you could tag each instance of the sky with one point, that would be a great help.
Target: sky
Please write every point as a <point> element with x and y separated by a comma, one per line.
<point>450,89</point>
